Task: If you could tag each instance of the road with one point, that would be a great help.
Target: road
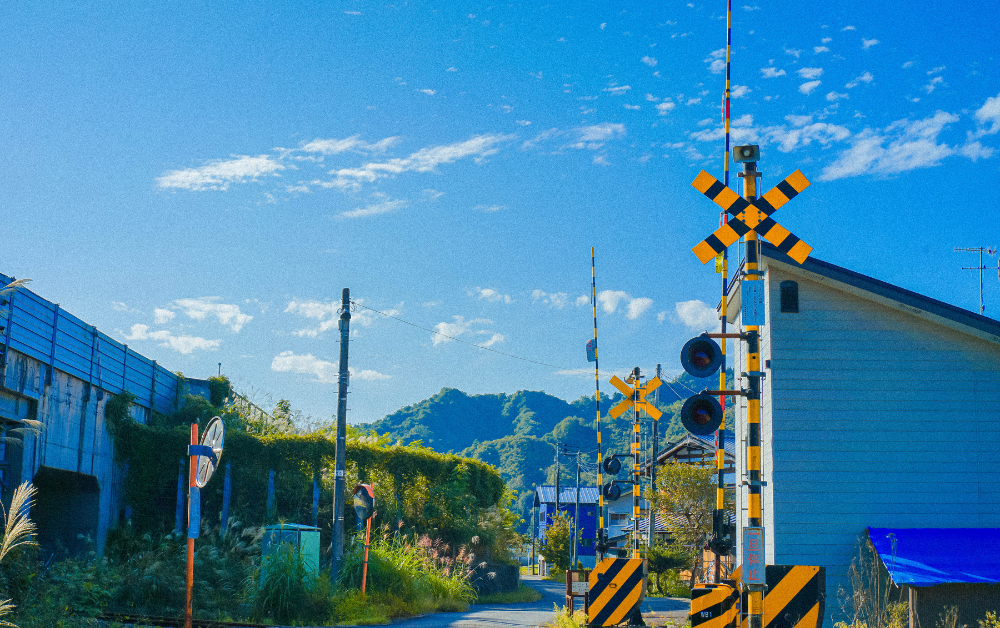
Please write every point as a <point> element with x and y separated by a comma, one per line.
<point>656,611</point>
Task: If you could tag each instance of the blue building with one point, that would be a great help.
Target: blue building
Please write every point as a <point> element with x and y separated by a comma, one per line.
<point>545,503</point>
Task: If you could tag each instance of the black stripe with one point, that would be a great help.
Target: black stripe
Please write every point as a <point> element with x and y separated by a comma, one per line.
<point>715,243</point>
<point>797,607</point>
<point>753,522</point>
<point>714,189</point>
<point>765,206</point>
<point>738,226</point>
<point>738,205</point>
<point>786,188</point>
<point>634,580</point>
<point>765,226</point>
<point>753,434</point>
<point>605,579</point>
<point>754,476</point>
<point>788,243</point>
<point>752,254</point>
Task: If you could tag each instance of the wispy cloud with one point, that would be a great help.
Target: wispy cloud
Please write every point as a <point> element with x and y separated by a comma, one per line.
<point>650,61</point>
<point>593,137</point>
<point>771,72</point>
<point>665,107</point>
<point>374,210</point>
<point>180,343</point>
<point>868,43</point>
<point>864,78</point>
<point>610,300</point>
<point>489,209</point>
<point>458,327</point>
<point>716,61</point>
<point>219,174</point>
<point>323,372</point>
<point>739,91</point>
<point>551,299</point>
<point>163,316</point>
<point>491,295</point>
<point>933,84</point>
<point>901,146</point>
<point>988,117</point>
<point>696,314</point>
<point>810,73</point>
<point>204,307</point>
<point>819,49</point>
<point>326,147</point>
<point>807,88</point>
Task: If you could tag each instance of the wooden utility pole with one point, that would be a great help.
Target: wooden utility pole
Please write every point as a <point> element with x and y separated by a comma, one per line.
<point>341,461</point>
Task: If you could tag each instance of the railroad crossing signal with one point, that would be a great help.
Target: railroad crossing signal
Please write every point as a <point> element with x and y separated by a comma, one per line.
<point>635,397</point>
<point>751,216</point>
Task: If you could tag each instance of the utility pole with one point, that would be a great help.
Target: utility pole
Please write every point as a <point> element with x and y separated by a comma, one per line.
<point>652,467</point>
<point>534,530</point>
<point>980,268</point>
<point>576,515</point>
<point>339,490</point>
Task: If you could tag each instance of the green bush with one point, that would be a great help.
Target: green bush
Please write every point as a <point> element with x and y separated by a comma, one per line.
<point>284,590</point>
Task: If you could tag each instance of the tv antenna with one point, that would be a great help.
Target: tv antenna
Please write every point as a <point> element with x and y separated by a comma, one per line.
<point>980,268</point>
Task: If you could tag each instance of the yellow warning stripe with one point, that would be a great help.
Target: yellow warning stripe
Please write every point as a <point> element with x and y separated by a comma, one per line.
<point>811,619</point>
<point>787,588</point>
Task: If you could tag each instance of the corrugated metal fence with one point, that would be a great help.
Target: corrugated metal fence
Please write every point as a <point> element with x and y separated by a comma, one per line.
<point>44,331</point>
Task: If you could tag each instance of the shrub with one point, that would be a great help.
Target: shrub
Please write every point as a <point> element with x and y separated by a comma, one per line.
<point>284,590</point>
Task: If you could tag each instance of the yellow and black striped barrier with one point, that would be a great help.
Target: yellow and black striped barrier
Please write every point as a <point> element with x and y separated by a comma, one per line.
<point>617,586</point>
<point>795,598</point>
<point>715,605</point>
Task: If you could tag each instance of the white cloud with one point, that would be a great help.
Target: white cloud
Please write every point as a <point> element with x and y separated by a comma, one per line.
<point>203,307</point>
<point>868,43</point>
<point>120,306</point>
<point>739,91</point>
<point>771,72</point>
<point>494,339</point>
<point>810,73</point>
<point>696,314</point>
<point>593,137</point>
<point>523,122</point>
<point>446,332</point>
<point>975,150</point>
<point>849,28</point>
<point>661,316</point>
<point>551,299</point>
<point>491,295</point>
<point>819,49</point>
<point>864,78</point>
<point>937,70</point>
<point>650,61</point>
<point>583,299</point>
<point>429,92</point>
<point>652,98</point>
<point>219,174</point>
<point>902,146</point>
<point>793,52</point>
<point>424,160</point>
<point>162,316</point>
<point>834,96</point>
<point>827,40</point>
<point>489,209</point>
<point>932,85</point>
<point>637,306</point>
<point>807,88</point>
<point>609,299</point>
<point>989,114</point>
<point>182,344</point>
<point>288,362</point>
<point>908,64</point>
<point>367,375</point>
<point>665,107</point>
<point>632,107</point>
<point>374,210</point>
<point>353,143</point>
<point>617,90</point>
<point>800,131</point>
<point>716,66</point>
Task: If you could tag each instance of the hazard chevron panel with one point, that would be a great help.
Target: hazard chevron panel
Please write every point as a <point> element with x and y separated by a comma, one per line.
<point>795,598</point>
<point>714,606</point>
<point>617,585</point>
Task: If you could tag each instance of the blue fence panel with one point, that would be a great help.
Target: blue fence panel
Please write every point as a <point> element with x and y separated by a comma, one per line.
<point>139,377</point>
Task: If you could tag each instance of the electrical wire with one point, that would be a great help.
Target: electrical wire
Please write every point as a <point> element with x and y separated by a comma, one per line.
<point>434,331</point>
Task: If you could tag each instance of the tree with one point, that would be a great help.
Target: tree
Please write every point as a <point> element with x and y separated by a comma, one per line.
<point>685,494</point>
<point>557,542</point>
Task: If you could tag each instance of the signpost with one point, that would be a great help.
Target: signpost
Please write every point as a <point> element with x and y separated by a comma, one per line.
<point>204,459</point>
<point>364,507</point>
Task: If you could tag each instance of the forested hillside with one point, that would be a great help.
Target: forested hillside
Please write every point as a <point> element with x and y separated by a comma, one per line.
<point>517,433</point>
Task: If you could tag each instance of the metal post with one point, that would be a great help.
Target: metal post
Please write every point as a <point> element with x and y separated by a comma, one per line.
<point>597,398</point>
<point>636,487</point>
<point>558,469</point>
<point>576,514</point>
<point>534,531</point>
<point>227,489</point>
<point>652,467</point>
<point>756,595</point>
<point>341,462</point>
<point>193,469</point>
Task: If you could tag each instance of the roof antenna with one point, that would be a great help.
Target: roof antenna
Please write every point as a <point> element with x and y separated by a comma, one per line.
<point>981,268</point>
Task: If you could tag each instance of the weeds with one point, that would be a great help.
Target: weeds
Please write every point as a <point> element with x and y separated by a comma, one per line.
<point>564,619</point>
<point>870,603</point>
<point>17,532</point>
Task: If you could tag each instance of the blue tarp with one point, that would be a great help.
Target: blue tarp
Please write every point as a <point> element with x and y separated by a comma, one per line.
<point>924,557</point>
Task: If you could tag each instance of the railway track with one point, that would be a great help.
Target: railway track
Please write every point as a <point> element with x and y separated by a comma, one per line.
<point>176,622</point>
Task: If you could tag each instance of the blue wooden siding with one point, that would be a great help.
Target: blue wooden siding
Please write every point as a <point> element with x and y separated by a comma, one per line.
<point>45,332</point>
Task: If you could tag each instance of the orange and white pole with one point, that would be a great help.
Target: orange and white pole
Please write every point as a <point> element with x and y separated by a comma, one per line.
<point>193,464</point>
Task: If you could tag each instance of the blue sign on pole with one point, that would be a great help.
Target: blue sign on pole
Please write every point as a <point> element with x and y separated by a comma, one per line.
<point>752,298</point>
<point>753,556</point>
<point>592,350</point>
<point>194,512</point>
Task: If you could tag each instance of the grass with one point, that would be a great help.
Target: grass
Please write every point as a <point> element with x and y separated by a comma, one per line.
<point>523,595</point>
<point>556,576</point>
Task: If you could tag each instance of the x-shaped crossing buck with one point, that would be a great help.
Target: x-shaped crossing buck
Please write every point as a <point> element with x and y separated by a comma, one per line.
<point>751,216</point>
<point>635,397</point>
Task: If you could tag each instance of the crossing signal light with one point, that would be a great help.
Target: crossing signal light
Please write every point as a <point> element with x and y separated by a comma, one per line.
<point>701,356</point>
<point>612,491</point>
<point>701,414</point>
<point>612,465</point>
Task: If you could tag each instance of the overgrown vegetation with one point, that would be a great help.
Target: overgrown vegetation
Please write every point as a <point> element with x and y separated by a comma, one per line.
<point>565,619</point>
<point>557,542</point>
<point>874,601</point>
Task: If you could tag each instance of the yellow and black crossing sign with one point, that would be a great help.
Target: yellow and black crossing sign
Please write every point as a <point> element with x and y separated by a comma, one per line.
<point>795,598</point>
<point>715,605</point>
<point>751,216</point>
<point>635,397</point>
<point>617,586</point>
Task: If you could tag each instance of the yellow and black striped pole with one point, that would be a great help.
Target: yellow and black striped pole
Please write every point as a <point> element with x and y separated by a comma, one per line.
<point>597,398</point>
<point>755,597</point>
<point>636,487</point>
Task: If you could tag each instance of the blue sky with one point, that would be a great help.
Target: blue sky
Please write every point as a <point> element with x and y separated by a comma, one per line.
<point>200,180</point>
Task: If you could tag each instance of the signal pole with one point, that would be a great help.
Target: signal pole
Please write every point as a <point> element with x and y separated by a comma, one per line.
<point>339,488</point>
<point>652,466</point>
<point>636,487</point>
<point>756,594</point>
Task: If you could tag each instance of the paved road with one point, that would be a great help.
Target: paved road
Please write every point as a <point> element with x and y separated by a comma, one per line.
<point>527,615</point>
<point>655,611</point>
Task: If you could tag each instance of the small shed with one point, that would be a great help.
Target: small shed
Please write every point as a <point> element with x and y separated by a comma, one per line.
<point>943,567</point>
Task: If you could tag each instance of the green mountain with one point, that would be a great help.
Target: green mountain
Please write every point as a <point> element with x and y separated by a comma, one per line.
<point>517,433</point>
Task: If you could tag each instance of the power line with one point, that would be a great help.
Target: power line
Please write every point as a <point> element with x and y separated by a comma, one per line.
<point>436,332</point>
